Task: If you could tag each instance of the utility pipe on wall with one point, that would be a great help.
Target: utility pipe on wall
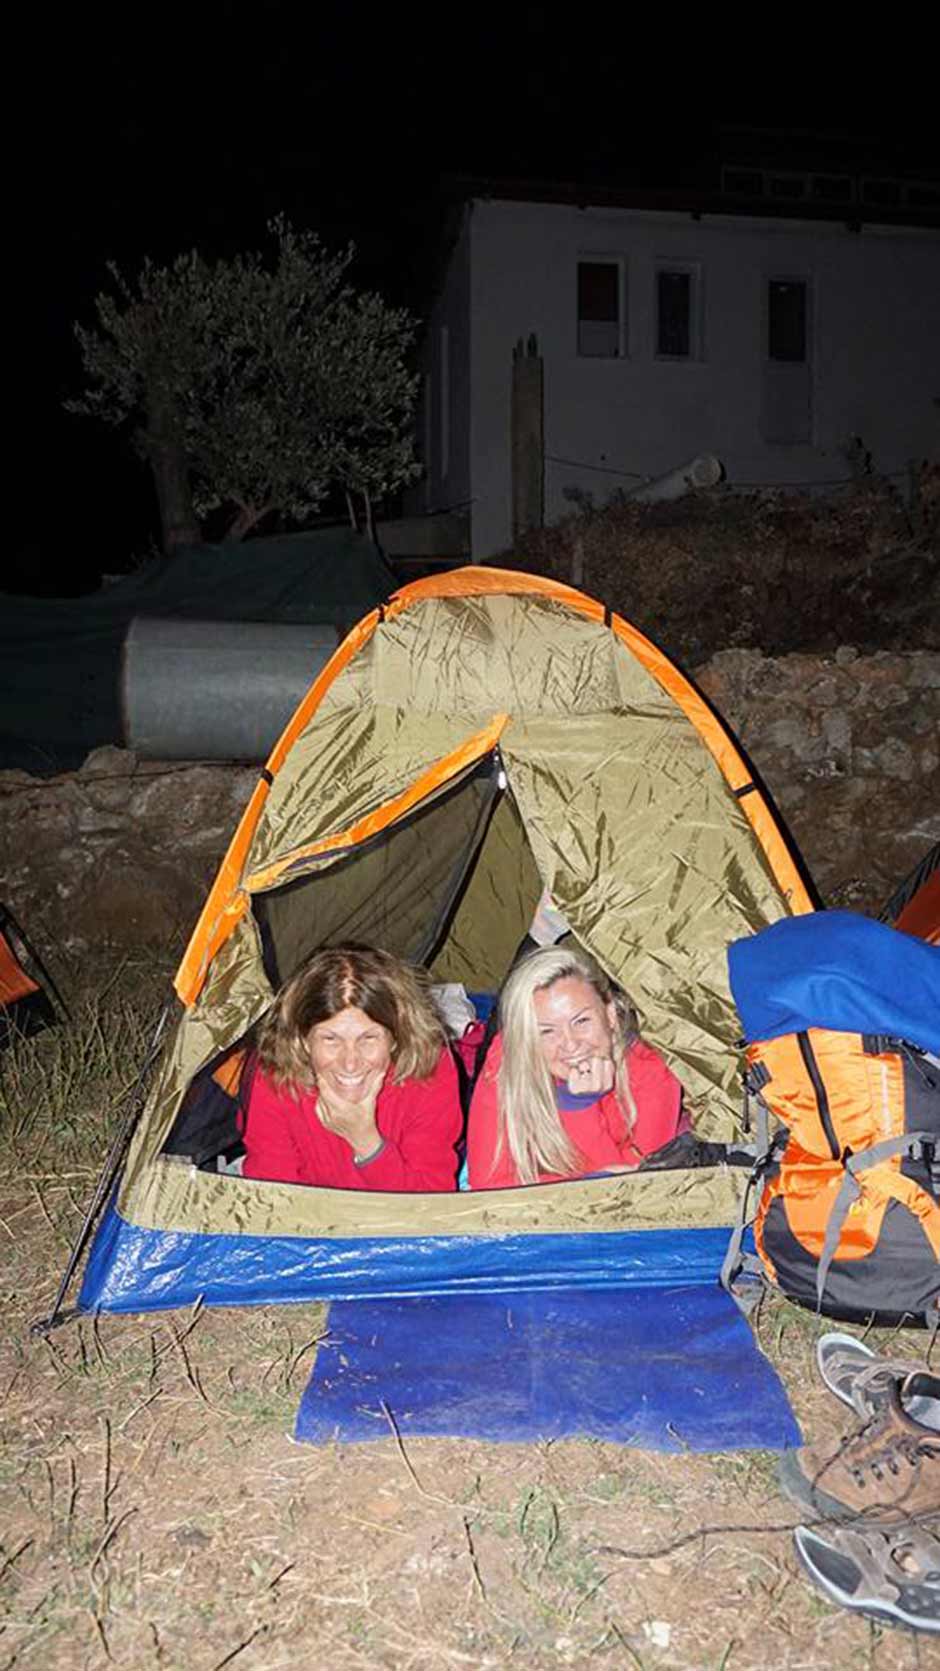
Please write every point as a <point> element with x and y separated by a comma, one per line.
<point>705,470</point>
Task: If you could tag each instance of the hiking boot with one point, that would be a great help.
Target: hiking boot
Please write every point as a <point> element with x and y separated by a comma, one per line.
<point>861,1378</point>
<point>887,1470</point>
<point>893,1576</point>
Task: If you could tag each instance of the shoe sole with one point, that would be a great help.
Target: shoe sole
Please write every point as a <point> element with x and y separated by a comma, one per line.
<point>826,1348</point>
<point>917,1608</point>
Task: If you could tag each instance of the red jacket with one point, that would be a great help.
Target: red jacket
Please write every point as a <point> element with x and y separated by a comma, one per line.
<point>598,1133</point>
<point>419,1119</point>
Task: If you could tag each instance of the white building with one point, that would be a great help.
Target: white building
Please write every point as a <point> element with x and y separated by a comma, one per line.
<point>768,337</point>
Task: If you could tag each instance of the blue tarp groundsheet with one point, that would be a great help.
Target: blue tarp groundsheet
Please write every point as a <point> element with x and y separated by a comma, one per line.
<point>668,1368</point>
<point>135,1269</point>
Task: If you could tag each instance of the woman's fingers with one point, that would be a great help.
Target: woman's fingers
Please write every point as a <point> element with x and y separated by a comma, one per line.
<point>592,1074</point>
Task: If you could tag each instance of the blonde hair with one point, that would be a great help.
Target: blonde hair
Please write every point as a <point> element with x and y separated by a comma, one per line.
<point>529,1123</point>
<point>389,992</point>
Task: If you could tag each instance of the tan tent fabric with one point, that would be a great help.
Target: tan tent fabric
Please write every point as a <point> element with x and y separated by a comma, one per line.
<point>489,733</point>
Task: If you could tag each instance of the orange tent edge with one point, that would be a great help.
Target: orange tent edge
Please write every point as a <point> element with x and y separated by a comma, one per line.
<point>226,903</point>
<point>449,766</point>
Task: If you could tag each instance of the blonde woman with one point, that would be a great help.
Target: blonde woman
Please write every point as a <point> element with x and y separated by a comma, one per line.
<point>353,1085</point>
<point>567,1089</point>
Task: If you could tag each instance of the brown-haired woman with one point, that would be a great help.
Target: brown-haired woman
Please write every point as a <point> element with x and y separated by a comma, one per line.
<point>354,1084</point>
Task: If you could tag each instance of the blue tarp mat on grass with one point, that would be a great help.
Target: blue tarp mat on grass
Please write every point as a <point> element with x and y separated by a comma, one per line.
<point>661,1368</point>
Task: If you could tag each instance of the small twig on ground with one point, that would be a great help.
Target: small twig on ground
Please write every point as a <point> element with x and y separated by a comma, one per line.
<point>192,1375</point>
<point>478,1577</point>
<point>282,1574</point>
<point>431,1496</point>
<point>103,1358</point>
<point>44,1209</point>
<point>72,1499</point>
<point>106,1486</point>
<point>100,1633</point>
<point>143,1405</point>
<point>50,1480</point>
<point>227,1658</point>
<point>10,1560</point>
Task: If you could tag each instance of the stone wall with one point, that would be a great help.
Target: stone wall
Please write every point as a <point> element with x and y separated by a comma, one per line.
<point>849,747</point>
<point>122,852</point>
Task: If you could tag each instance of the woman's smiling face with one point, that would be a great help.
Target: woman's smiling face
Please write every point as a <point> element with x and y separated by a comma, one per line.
<point>347,1051</point>
<point>574,1024</point>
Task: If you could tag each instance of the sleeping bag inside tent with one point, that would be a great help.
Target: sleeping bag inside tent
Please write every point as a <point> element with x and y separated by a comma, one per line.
<point>483,735</point>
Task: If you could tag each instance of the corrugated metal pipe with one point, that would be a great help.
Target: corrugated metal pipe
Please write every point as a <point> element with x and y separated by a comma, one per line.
<point>705,470</point>
<point>215,690</point>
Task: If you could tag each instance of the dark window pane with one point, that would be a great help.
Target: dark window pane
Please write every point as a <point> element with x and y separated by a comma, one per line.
<point>887,192</point>
<point>786,319</point>
<point>674,314</point>
<point>745,182</point>
<point>598,290</point>
<point>832,188</point>
<point>599,309</point>
<point>787,185</point>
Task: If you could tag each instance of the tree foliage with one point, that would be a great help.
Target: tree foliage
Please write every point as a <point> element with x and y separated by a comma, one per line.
<point>255,385</point>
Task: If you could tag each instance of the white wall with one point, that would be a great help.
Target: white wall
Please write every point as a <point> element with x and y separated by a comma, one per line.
<point>874,354</point>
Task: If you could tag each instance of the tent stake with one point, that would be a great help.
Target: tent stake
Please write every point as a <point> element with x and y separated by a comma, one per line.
<point>43,1326</point>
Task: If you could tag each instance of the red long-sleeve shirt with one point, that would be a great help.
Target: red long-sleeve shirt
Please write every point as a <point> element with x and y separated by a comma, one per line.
<point>598,1133</point>
<point>419,1121</point>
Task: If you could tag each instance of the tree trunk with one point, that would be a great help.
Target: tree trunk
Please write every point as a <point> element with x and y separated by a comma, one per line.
<point>247,518</point>
<point>161,446</point>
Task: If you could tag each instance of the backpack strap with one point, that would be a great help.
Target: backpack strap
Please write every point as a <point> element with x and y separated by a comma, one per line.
<point>912,1143</point>
<point>736,1262</point>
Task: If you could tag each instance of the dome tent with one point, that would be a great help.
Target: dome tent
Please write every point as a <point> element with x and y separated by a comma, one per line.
<point>483,734</point>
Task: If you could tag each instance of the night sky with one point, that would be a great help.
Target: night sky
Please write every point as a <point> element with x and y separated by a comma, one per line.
<point>149,132</point>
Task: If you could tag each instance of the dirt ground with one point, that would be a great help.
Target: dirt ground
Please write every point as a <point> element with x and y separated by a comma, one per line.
<point>155,1513</point>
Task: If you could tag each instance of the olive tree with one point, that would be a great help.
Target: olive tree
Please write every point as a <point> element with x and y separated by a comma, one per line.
<point>254,385</point>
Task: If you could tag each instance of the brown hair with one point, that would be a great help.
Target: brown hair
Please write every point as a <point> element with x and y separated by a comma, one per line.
<point>389,992</point>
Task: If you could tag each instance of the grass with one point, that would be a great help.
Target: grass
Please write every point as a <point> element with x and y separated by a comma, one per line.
<point>154,1513</point>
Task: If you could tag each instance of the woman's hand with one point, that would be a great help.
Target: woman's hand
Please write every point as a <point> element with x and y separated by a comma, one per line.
<point>592,1074</point>
<point>354,1121</point>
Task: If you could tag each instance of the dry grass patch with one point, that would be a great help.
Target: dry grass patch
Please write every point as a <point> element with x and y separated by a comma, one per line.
<point>154,1513</point>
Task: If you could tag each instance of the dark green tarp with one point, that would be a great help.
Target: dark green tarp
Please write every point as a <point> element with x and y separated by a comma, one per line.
<point>60,658</point>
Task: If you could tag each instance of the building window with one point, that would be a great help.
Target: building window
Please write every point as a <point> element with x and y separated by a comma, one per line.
<point>885,193</point>
<point>677,327</point>
<point>601,309</point>
<point>744,182</point>
<point>788,186</point>
<point>787,320</point>
<point>787,380</point>
<point>832,188</point>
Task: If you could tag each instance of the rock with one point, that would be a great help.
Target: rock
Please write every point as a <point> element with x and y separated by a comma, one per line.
<point>122,852</point>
